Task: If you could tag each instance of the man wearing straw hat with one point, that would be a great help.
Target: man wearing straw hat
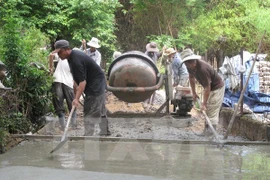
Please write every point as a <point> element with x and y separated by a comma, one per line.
<point>153,52</point>
<point>180,74</point>
<point>92,51</point>
<point>212,83</point>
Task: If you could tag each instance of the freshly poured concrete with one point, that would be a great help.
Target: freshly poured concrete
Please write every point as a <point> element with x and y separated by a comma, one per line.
<point>131,160</point>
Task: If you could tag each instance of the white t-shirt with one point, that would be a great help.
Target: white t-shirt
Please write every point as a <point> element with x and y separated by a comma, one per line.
<point>62,73</point>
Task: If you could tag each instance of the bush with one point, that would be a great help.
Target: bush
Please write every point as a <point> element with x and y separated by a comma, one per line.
<point>27,75</point>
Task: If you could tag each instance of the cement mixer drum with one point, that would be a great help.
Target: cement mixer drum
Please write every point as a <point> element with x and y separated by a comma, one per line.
<point>133,77</point>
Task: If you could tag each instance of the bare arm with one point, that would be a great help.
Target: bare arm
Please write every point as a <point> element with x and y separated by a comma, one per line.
<point>84,44</point>
<point>51,57</point>
<point>192,84</point>
<point>75,85</point>
<point>206,93</point>
<point>79,91</point>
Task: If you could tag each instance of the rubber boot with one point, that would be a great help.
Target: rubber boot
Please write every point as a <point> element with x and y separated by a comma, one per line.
<point>73,120</point>
<point>104,128</point>
<point>61,117</point>
<point>89,129</point>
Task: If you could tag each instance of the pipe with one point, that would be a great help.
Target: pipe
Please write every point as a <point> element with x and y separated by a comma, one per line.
<point>137,89</point>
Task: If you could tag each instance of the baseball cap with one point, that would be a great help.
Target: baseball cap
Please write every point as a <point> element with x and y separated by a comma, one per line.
<point>58,45</point>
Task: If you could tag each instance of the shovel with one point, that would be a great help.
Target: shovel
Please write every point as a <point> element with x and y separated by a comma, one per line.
<point>210,125</point>
<point>64,139</point>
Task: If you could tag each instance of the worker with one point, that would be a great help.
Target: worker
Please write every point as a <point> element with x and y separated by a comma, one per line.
<point>212,83</point>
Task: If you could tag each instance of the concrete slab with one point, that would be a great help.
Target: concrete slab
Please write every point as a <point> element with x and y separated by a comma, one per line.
<point>134,160</point>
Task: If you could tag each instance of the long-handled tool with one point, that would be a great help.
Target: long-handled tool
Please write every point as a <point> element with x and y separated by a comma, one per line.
<point>210,125</point>
<point>64,138</point>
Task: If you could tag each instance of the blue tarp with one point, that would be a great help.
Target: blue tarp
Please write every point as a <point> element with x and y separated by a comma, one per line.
<point>258,102</point>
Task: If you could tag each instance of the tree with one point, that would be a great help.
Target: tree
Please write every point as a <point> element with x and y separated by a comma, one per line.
<point>73,20</point>
<point>227,26</point>
<point>30,85</point>
<point>155,20</point>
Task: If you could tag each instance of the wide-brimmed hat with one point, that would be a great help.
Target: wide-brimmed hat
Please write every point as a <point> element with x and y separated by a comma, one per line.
<point>152,47</point>
<point>187,55</point>
<point>93,43</point>
<point>116,54</point>
<point>169,51</point>
<point>58,45</point>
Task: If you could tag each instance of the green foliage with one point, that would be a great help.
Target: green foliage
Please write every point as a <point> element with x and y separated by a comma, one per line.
<point>3,139</point>
<point>35,43</point>
<point>30,81</point>
<point>73,20</point>
<point>94,19</point>
<point>10,121</point>
<point>159,20</point>
<point>209,25</point>
<point>163,40</point>
<point>229,25</point>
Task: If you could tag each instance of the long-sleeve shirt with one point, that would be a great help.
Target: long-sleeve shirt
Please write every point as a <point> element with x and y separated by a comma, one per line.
<point>153,55</point>
<point>177,70</point>
<point>96,56</point>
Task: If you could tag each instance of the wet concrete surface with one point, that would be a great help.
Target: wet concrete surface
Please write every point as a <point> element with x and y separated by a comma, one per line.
<point>130,160</point>
<point>164,128</point>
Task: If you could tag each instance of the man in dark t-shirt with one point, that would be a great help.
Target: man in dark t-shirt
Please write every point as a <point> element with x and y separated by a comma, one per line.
<point>212,83</point>
<point>90,80</point>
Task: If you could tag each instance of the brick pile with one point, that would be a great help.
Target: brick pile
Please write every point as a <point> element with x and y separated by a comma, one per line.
<point>264,69</point>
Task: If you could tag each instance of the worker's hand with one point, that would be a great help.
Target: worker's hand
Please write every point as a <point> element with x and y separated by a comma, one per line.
<point>75,102</point>
<point>83,42</point>
<point>51,57</point>
<point>203,107</point>
<point>195,97</point>
<point>164,48</point>
<point>50,71</point>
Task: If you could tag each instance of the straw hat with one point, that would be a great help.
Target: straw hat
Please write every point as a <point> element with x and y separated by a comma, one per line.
<point>188,54</point>
<point>152,47</point>
<point>169,51</point>
<point>116,54</point>
<point>93,43</point>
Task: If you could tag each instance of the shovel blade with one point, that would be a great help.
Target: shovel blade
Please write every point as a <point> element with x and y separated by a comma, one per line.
<point>59,145</point>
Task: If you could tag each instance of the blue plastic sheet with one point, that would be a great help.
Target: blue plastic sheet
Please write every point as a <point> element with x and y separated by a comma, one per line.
<point>258,102</point>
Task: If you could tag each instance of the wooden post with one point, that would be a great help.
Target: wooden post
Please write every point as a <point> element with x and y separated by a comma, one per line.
<point>167,90</point>
<point>243,91</point>
<point>242,82</point>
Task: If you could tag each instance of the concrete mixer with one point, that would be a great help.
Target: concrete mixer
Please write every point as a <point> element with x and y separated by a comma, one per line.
<point>133,77</point>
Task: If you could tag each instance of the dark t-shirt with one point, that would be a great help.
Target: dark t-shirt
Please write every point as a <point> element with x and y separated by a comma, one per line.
<point>85,68</point>
<point>206,75</point>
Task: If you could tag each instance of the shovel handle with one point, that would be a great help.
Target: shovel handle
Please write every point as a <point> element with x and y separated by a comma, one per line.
<point>67,125</point>
<point>209,122</point>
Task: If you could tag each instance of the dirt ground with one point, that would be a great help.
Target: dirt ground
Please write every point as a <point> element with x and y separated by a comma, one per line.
<point>127,124</point>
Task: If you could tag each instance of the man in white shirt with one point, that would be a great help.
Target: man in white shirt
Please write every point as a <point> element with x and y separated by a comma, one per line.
<point>62,89</point>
